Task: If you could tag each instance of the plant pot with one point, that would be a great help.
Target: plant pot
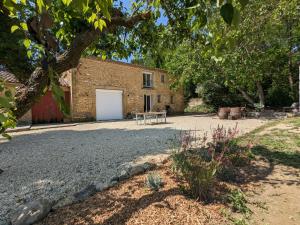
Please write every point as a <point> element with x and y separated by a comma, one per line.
<point>235,113</point>
<point>223,113</point>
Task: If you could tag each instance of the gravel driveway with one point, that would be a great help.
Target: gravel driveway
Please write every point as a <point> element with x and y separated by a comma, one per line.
<point>52,163</point>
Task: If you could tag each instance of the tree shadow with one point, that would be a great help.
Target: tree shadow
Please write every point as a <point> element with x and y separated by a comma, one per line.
<point>291,159</point>
<point>116,209</point>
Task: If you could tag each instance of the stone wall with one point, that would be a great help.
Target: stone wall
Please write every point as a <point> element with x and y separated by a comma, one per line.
<point>92,74</point>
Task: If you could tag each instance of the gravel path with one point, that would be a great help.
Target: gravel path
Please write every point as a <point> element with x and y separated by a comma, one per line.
<point>52,163</point>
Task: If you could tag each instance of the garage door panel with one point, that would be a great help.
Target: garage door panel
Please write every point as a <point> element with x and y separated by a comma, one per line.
<point>109,104</point>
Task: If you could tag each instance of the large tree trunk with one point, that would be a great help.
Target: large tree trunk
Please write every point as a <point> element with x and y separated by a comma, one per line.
<point>260,93</point>
<point>30,92</point>
<point>246,96</point>
<point>289,27</point>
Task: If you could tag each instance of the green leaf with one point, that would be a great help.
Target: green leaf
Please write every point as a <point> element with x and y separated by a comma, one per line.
<point>2,118</point>
<point>99,24</point>
<point>8,94</point>
<point>14,28</point>
<point>24,26</point>
<point>227,12</point>
<point>4,102</point>
<point>67,2</point>
<point>243,2</point>
<point>27,43</point>
<point>29,54</point>
<point>236,17</point>
<point>40,5</point>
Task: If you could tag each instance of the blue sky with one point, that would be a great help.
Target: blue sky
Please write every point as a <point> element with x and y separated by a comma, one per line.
<point>161,20</point>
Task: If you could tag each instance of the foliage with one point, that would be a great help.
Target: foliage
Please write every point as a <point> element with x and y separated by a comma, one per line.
<point>7,105</point>
<point>218,95</point>
<point>203,108</point>
<point>197,160</point>
<point>154,181</point>
<point>238,201</point>
<point>256,60</point>
<point>46,33</point>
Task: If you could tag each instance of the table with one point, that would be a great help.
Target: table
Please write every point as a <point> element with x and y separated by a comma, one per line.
<point>151,115</point>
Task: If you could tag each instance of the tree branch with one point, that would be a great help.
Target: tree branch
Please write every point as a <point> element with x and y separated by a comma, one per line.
<point>32,90</point>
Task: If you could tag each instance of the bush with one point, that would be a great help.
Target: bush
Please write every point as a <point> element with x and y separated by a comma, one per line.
<point>198,161</point>
<point>199,109</point>
<point>217,95</point>
<point>279,96</point>
<point>154,181</point>
<point>238,201</point>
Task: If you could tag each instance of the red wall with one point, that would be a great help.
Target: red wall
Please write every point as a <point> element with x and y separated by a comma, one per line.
<point>47,111</point>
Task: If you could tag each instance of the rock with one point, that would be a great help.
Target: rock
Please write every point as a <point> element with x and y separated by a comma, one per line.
<point>112,183</point>
<point>135,170</point>
<point>64,202</point>
<point>31,212</point>
<point>123,175</point>
<point>101,186</point>
<point>1,171</point>
<point>85,193</point>
<point>114,178</point>
<point>148,166</point>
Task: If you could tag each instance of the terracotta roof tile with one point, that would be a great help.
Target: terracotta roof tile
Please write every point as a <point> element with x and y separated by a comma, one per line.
<point>124,63</point>
<point>8,77</point>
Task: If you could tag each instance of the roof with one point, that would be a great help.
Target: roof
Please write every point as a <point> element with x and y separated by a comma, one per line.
<point>8,77</point>
<point>125,64</point>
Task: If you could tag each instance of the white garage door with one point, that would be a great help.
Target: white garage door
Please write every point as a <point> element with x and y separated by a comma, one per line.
<point>109,104</point>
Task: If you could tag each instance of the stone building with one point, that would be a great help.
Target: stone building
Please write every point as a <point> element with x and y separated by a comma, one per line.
<point>106,90</point>
<point>103,90</point>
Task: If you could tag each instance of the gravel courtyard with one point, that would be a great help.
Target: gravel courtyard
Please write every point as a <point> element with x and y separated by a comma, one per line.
<point>53,163</point>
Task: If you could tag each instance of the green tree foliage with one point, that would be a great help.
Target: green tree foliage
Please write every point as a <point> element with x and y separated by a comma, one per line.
<point>48,37</point>
<point>7,105</point>
<point>256,58</point>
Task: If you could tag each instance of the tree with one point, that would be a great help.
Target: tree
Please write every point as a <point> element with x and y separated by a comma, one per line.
<point>253,58</point>
<point>51,36</point>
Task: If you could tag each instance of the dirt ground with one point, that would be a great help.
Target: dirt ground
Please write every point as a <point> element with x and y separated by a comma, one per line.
<point>132,203</point>
<point>276,199</point>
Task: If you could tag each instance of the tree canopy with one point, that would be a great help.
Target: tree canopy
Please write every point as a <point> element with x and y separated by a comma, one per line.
<point>256,58</point>
<point>48,37</point>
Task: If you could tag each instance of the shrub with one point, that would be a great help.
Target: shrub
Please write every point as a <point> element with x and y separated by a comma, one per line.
<point>154,181</point>
<point>214,93</point>
<point>197,161</point>
<point>238,201</point>
<point>199,109</point>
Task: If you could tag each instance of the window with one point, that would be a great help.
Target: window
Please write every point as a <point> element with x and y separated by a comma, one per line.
<point>147,80</point>
<point>158,99</point>
<point>172,99</point>
<point>162,78</point>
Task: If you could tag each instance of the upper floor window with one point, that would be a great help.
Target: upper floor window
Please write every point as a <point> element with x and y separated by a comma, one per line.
<point>147,80</point>
<point>162,78</point>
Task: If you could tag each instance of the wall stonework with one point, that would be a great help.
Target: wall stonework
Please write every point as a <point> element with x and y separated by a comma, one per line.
<point>92,74</point>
